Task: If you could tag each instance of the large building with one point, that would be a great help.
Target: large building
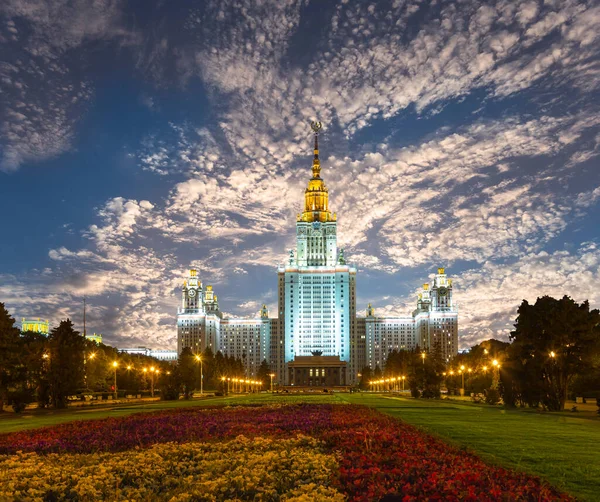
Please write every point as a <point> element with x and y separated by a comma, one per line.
<point>316,323</point>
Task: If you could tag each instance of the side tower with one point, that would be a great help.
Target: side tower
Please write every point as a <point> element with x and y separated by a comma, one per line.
<point>436,317</point>
<point>443,320</point>
<point>198,316</point>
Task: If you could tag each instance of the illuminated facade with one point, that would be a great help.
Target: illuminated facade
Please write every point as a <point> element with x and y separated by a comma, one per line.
<point>35,325</point>
<point>94,337</point>
<point>433,325</point>
<point>161,355</point>
<point>316,317</point>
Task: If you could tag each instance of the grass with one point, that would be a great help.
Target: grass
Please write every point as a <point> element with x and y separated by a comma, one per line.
<point>560,448</point>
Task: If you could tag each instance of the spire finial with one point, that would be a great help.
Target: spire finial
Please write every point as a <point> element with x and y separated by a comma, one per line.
<point>316,127</point>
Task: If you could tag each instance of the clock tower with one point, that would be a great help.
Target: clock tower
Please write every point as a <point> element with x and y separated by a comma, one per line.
<point>192,294</point>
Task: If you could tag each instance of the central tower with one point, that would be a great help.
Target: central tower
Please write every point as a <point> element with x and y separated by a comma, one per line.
<point>317,305</point>
<point>316,226</point>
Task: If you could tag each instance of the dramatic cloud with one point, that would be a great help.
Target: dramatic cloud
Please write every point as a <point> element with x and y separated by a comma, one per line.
<point>458,134</point>
<point>43,94</point>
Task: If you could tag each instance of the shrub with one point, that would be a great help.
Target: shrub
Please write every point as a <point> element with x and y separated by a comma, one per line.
<point>19,399</point>
<point>492,396</point>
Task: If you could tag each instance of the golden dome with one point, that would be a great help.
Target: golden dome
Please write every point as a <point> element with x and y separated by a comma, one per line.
<point>316,195</point>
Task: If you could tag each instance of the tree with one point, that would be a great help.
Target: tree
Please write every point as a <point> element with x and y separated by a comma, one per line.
<point>66,351</point>
<point>264,370</point>
<point>187,369</point>
<point>397,363</point>
<point>366,375</point>
<point>553,342</point>
<point>33,375</point>
<point>426,373</point>
<point>377,373</point>
<point>9,361</point>
<point>170,387</point>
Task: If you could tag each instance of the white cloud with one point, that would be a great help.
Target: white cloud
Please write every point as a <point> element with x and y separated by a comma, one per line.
<point>43,95</point>
<point>488,297</point>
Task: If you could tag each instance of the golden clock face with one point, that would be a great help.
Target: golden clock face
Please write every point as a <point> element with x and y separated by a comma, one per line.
<point>442,291</point>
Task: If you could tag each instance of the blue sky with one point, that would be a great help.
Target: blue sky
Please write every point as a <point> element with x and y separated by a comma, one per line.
<point>138,139</point>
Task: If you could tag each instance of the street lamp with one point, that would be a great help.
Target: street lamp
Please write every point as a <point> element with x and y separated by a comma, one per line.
<point>272,375</point>
<point>199,359</point>
<point>403,378</point>
<point>115,365</point>
<point>151,371</point>
<point>496,377</point>
<point>92,355</point>
<point>423,357</point>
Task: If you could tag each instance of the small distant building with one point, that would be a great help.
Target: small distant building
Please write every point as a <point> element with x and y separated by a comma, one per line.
<point>164,355</point>
<point>142,351</point>
<point>96,338</point>
<point>35,325</point>
<point>161,355</point>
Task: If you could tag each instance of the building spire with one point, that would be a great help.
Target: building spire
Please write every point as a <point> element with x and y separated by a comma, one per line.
<point>316,196</point>
<point>316,167</point>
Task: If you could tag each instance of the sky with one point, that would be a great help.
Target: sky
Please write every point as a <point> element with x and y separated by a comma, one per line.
<point>141,138</point>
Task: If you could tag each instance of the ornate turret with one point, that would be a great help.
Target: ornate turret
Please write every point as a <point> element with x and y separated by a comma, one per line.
<point>264,312</point>
<point>316,195</point>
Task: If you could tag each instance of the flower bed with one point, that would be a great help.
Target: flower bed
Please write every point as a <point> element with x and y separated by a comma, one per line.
<point>376,455</point>
<point>246,469</point>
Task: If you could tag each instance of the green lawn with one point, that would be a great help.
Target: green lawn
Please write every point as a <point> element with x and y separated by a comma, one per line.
<point>562,448</point>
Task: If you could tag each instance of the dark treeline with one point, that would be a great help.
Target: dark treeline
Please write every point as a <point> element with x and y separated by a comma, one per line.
<point>54,369</point>
<point>553,355</point>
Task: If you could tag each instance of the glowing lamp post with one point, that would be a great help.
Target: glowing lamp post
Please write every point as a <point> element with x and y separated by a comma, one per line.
<point>272,375</point>
<point>115,365</point>
<point>199,359</point>
<point>496,366</point>
<point>152,369</point>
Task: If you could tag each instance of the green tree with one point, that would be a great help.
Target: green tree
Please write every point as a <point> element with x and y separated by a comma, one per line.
<point>33,378</point>
<point>397,363</point>
<point>377,373</point>
<point>366,375</point>
<point>553,342</point>
<point>170,386</point>
<point>9,360</point>
<point>187,369</point>
<point>264,370</point>
<point>426,373</point>
<point>66,351</point>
